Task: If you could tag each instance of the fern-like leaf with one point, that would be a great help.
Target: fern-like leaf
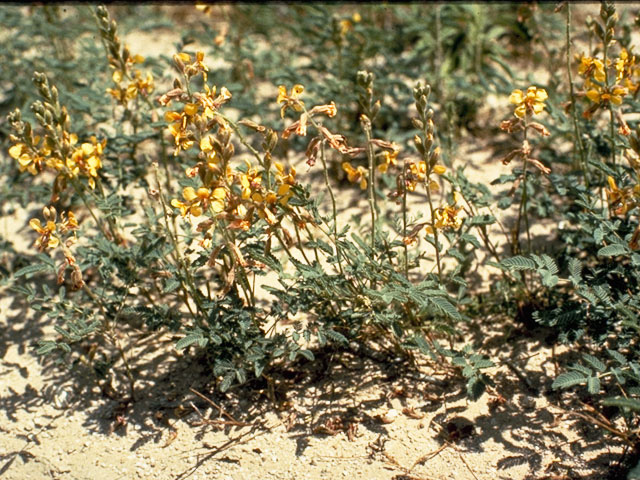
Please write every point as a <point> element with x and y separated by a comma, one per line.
<point>518,263</point>
<point>568,379</point>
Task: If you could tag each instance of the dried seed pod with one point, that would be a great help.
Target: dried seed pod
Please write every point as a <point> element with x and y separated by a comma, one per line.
<point>76,278</point>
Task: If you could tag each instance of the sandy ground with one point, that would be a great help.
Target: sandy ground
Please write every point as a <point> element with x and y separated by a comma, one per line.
<point>325,420</point>
<point>343,416</point>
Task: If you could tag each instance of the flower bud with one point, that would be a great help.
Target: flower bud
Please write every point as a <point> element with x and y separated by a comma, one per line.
<point>418,143</point>
<point>272,140</point>
<point>376,108</point>
<point>178,63</point>
<point>422,103</point>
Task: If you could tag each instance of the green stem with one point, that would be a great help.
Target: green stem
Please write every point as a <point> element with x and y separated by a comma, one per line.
<point>372,186</point>
<point>404,219</point>
<point>243,140</point>
<point>186,282</point>
<point>315,249</point>
<point>300,246</point>
<point>574,113</point>
<point>607,86</point>
<point>483,232</point>
<point>79,188</point>
<point>522,209</point>
<point>436,243</point>
<point>325,171</point>
<point>612,133</point>
<point>113,225</point>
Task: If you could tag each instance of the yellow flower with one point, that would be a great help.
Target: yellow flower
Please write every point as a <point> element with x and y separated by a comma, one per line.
<point>250,182</point>
<point>47,238</point>
<point>116,76</point>
<point>199,200</point>
<point>218,198</point>
<point>598,94</point>
<point>530,102</point>
<point>146,85</point>
<point>199,64</point>
<point>390,158</point>
<point>290,100</point>
<point>190,109</point>
<point>345,26</point>
<point>30,159</point>
<point>181,59</point>
<point>211,102</point>
<point>620,200</point>
<point>439,169</point>
<point>416,174</point>
<point>86,159</point>
<point>241,222</point>
<point>626,68</point>
<point>354,175</point>
<point>183,139</point>
<point>284,183</point>
<point>69,223</point>
<point>446,217</point>
<point>592,67</point>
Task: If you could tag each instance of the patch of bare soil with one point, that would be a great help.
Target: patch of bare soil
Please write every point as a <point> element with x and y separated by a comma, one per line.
<point>348,414</point>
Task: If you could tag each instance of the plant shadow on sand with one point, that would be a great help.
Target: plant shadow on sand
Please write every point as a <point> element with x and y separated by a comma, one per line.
<point>339,392</point>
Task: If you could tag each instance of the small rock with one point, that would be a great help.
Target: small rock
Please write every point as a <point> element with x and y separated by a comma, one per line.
<point>62,397</point>
<point>390,416</point>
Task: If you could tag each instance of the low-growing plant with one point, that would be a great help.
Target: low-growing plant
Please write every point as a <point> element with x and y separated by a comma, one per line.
<point>171,203</point>
<point>192,262</point>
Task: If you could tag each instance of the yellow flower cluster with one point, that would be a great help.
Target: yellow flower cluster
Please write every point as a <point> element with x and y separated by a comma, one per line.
<point>61,234</point>
<point>347,24</point>
<point>199,200</point>
<point>254,197</point>
<point>596,88</point>
<point>263,199</point>
<point>199,108</point>
<point>627,68</point>
<point>183,123</point>
<point>621,200</point>
<point>189,68</point>
<point>136,85</point>
<point>531,102</point>
<point>417,173</point>
<point>129,82</point>
<point>235,196</point>
<point>447,217</point>
<point>444,218</point>
<point>50,233</point>
<point>599,94</point>
<point>85,159</point>
<point>30,156</point>
<point>592,68</point>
